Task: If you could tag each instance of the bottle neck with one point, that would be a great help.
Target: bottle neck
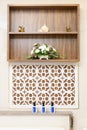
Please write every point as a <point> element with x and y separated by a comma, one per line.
<point>43,103</point>
<point>52,104</point>
<point>34,103</point>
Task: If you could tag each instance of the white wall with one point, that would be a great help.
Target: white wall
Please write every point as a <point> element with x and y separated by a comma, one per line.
<point>80,115</point>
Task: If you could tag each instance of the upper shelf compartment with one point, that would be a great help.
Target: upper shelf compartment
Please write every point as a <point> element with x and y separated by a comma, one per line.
<point>62,22</point>
<point>56,18</point>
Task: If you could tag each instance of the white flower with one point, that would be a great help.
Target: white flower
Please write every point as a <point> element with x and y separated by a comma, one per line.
<point>47,49</point>
<point>43,48</point>
<point>37,51</point>
<point>54,49</point>
<point>32,52</point>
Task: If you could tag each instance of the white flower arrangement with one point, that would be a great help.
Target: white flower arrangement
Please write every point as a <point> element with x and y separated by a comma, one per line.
<point>43,51</point>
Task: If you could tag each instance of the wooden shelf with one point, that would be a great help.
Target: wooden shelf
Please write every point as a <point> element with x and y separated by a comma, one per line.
<point>37,60</point>
<point>43,33</point>
<point>32,18</point>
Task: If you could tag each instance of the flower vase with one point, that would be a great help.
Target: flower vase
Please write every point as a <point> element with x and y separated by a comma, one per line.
<point>43,57</point>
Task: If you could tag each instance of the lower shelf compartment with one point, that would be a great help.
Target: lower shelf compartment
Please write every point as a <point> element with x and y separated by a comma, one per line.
<point>66,45</point>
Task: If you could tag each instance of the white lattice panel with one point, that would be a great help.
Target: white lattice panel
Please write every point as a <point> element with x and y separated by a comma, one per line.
<point>38,83</point>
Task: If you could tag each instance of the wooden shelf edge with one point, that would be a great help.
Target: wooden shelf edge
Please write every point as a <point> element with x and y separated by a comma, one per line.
<point>42,33</point>
<point>44,5</point>
<point>52,60</point>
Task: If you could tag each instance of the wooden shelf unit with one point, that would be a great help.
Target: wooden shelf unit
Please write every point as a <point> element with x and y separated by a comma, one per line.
<point>33,17</point>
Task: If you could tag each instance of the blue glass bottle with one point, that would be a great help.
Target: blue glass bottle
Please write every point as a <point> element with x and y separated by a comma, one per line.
<point>34,109</point>
<point>43,107</point>
<point>52,107</point>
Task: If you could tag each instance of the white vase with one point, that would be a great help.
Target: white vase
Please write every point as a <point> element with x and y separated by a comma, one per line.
<point>44,57</point>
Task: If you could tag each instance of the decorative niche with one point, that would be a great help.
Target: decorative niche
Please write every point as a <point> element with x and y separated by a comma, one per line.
<point>38,83</point>
<point>63,34</point>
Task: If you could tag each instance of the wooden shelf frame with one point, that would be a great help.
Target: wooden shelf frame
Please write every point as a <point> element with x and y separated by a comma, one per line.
<point>70,41</point>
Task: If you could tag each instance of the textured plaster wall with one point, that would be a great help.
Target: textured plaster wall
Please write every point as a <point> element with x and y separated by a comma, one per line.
<point>80,115</point>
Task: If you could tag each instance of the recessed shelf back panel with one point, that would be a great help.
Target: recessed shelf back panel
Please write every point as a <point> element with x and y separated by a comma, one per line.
<point>32,19</point>
<point>21,45</point>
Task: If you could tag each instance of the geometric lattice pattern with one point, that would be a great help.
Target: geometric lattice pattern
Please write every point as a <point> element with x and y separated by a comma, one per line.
<point>38,83</point>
